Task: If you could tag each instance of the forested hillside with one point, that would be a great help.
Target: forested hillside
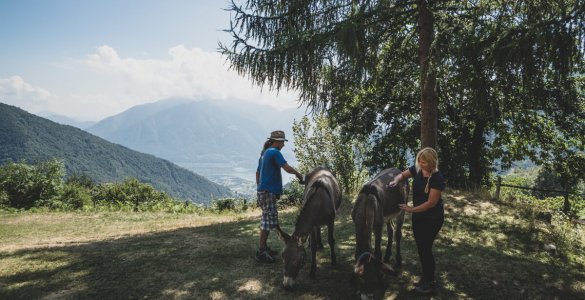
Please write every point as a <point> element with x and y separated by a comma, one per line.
<point>26,137</point>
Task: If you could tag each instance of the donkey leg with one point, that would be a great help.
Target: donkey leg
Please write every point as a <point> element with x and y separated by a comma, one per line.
<point>398,234</point>
<point>390,235</point>
<point>319,240</point>
<point>313,251</point>
<point>331,240</point>
<point>378,241</point>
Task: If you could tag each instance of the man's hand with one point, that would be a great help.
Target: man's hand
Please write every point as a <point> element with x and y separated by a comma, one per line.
<point>300,178</point>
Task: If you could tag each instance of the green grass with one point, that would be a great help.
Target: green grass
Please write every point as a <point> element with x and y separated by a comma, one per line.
<point>485,250</point>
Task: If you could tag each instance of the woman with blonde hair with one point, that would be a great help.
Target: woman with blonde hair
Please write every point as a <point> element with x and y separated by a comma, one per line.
<point>427,211</point>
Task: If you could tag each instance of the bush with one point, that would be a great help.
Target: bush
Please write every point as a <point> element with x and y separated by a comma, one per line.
<point>130,194</point>
<point>229,204</point>
<point>30,185</point>
<point>75,196</point>
<point>292,194</point>
<point>4,202</point>
<point>81,180</point>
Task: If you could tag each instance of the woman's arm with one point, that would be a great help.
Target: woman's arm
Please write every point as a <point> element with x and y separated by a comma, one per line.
<point>434,196</point>
<point>400,177</point>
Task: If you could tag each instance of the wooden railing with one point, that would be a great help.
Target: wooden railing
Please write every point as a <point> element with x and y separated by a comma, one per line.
<point>565,193</point>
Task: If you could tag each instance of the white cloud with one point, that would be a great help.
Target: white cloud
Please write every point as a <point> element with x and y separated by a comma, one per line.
<point>15,91</point>
<point>186,73</point>
<point>105,83</point>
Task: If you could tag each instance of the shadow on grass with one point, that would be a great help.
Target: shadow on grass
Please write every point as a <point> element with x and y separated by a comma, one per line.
<point>216,262</point>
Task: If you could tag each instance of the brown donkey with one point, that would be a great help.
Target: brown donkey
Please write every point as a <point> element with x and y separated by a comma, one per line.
<point>322,198</point>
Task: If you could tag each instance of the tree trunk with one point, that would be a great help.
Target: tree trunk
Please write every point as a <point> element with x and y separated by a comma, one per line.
<point>429,115</point>
<point>475,154</point>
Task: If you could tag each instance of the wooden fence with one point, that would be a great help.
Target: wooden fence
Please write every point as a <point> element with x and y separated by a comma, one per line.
<point>565,193</point>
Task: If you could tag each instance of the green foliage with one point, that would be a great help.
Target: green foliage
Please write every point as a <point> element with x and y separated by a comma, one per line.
<point>317,143</point>
<point>229,204</point>
<point>292,194</point>
<point>544,201</point>
<point>509,81</point>
<point>41,188</point>
<point>30,185</point>
<point>129,193</point>
<point>72,197</point>
<point>4,201</point>
<point>81,180</point>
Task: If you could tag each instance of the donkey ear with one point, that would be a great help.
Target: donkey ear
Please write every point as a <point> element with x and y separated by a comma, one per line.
<point>283,235</point>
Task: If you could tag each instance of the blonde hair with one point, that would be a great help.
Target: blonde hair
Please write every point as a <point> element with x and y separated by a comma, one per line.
<point>430,156</point>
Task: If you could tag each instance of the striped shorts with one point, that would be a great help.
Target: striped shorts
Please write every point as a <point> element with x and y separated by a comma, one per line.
<point>267,202</point>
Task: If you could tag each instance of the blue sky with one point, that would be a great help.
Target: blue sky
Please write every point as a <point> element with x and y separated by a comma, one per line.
<point>92,59</point>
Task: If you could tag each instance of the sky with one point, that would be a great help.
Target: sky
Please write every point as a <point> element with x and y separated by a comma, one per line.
<point>90,59</point>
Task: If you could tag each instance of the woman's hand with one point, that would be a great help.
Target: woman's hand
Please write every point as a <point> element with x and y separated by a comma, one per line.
<point>394,181</point>
<point>406,208</point>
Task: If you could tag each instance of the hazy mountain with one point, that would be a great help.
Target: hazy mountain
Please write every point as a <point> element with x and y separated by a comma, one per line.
<point>64,120</point>
<point>220,139</point>
<point>26,137</point>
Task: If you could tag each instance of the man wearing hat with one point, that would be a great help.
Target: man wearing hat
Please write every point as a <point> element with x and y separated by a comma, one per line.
<point>269,188</point>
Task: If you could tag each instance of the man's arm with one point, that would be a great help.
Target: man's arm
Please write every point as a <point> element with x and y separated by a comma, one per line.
<point>292,170</point>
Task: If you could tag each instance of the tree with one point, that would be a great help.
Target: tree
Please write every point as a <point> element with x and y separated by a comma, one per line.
<point>318,144</point>
<point>292,43</point>
<point>29,185</point>
<point>502,74</point>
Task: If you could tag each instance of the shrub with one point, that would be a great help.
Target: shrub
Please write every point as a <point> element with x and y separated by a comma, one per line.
<point>130,194</point>
<point>30,185</point>
<point>82,180</point>
<point>229,204</point>
<point>4,202</point>
<point>75,196</point>
<point>292,194</point>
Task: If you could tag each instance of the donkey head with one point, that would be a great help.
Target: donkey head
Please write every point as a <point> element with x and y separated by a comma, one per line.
<point>293,256</point>
<point>368,272</point>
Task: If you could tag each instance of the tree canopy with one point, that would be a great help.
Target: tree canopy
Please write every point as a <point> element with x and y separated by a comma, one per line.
<point>505,77</point>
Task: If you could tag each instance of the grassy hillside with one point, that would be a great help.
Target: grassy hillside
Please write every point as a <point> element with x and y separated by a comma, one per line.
<point>486,250</point>
<point>26,137</point>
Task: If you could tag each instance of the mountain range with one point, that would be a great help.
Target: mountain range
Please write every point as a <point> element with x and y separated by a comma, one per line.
<point>29,138</point>
<point>219,139</point>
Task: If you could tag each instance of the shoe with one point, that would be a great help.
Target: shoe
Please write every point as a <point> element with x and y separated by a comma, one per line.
<point>271,252</point>
<point>426,288</point>
<point>264,257</point>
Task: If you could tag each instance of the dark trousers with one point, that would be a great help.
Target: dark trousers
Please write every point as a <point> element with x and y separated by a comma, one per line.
<point>425,231</point>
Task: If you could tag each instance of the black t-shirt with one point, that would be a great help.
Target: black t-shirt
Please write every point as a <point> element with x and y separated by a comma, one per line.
<point>436,181</point>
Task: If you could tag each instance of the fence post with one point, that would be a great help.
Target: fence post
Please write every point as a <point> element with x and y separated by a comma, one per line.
<point>498,183</point>
<point>566,205</point>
